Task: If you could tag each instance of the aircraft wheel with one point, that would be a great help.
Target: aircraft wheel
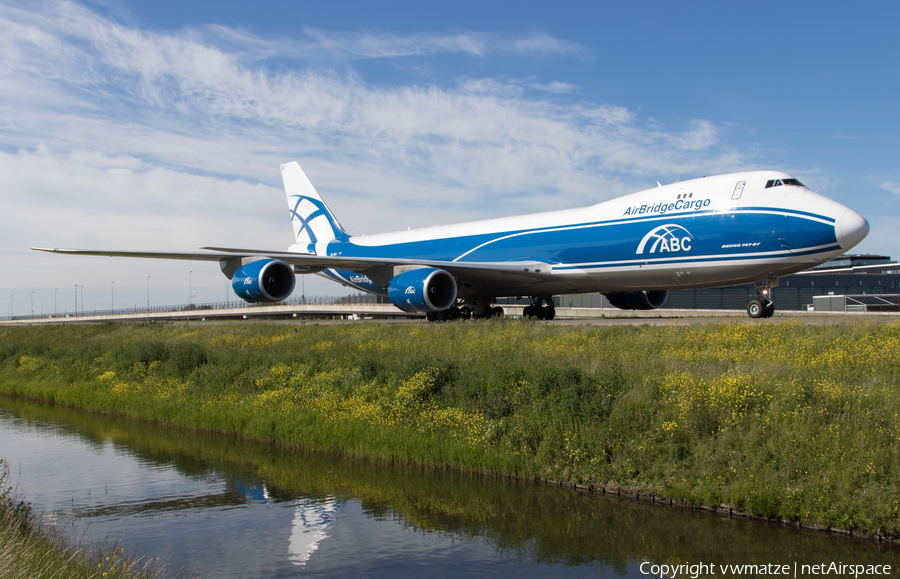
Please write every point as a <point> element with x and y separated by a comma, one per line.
<point>497,311</point>
<point>549,313</point>
<point>770,309</point>
<point>441,316</point>
<point>756,309</point>
<point>465,312</point>
<point>528,312</point>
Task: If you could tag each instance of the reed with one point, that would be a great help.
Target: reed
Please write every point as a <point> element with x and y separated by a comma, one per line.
<point>786,420</point>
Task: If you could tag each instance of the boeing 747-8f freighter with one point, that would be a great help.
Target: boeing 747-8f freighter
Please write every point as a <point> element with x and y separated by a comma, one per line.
<point>709,232</point>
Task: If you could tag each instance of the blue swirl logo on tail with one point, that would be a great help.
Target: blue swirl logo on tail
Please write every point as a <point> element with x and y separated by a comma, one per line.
<point>313,222</point>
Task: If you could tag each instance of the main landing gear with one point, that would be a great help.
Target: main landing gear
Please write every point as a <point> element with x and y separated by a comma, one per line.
<point>761,306</point>
<point>451,313</point>
<point>541,308</point>
<point>479,309</point>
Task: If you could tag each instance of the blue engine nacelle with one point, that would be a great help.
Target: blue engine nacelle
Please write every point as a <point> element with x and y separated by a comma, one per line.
<point>423,290</point>
<point>266,280</point>
<point>647,300</point>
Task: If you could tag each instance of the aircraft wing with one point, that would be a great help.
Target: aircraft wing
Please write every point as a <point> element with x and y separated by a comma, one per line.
<point>147,254</point>
<point>379,270</point>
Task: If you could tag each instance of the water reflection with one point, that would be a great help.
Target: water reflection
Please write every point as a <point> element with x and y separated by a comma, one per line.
<point>242,509</point>
<point>309,527</point>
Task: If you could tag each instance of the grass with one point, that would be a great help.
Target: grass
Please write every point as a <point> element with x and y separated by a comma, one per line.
<point>781,420</point>
<point>32,549</point>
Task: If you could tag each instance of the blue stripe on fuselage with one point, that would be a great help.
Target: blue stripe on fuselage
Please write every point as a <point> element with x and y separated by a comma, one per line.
<point>712,235</point>
<point>694,259</point>
<point>789,212</point>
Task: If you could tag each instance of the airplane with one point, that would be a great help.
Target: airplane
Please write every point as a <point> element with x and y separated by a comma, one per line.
<point>708,232</point>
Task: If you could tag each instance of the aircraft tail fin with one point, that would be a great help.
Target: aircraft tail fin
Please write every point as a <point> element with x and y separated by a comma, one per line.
<point>313,222</point>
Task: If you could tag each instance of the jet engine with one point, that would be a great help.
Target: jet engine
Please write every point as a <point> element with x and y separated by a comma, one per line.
<point>265,280</point>
<point>646,300</point>
<point>423,290</point>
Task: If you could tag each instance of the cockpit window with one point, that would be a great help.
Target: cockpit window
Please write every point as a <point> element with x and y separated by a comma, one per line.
<point>780,182</point>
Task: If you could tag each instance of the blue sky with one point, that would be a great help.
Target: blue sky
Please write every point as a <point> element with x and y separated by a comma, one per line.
<point>160,125</point>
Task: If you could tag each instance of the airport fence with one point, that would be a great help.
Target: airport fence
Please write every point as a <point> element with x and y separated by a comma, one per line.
<point>356,299</point>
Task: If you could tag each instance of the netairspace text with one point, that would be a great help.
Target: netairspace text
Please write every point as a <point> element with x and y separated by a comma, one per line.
<point>695,570</point>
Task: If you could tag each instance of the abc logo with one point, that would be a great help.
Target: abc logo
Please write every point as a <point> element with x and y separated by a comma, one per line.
<point>666,238</point>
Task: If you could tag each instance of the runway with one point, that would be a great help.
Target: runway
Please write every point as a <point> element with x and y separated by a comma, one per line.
<point>387,313</point>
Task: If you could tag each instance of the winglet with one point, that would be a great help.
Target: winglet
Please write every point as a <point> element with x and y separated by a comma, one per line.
<point>314,223</point>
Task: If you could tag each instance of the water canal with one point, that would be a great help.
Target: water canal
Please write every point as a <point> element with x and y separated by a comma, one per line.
<point>230,508</point>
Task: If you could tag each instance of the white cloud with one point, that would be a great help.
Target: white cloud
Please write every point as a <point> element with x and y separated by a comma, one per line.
<point>91,200</point>
<point>178,85</point>
<point>543,44</point>
<point>554,87</point>
<point>702,136</point>
<point>891,187</point>
<point>385,45</point>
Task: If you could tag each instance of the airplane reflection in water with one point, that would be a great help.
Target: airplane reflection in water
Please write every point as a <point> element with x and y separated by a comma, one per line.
<point>311,517</point>
<point>710,232</point>
<point>311,521</point>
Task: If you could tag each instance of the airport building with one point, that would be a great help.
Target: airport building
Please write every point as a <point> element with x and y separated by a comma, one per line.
<point>869,282</point>
<point>862,275</point>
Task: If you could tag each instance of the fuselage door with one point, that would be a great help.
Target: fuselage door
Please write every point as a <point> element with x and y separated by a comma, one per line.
<point>770,224</point>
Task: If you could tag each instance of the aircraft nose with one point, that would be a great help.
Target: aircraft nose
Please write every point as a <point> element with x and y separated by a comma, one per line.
<point>851,229</point>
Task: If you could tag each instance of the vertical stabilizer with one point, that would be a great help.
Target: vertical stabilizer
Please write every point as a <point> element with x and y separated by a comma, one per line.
<point>314,223</point>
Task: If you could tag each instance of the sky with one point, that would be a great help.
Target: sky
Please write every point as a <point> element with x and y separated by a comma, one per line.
<point>161,125</point>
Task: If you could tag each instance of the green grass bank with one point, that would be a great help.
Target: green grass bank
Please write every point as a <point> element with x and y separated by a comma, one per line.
<point>780,420</point>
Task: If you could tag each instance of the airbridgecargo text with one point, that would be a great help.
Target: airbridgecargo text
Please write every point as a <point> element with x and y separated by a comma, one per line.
<point>663,208</point>
<point>696,570</point>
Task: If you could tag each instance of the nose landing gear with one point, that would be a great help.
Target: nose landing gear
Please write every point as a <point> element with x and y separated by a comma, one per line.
<point>761,306</point>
